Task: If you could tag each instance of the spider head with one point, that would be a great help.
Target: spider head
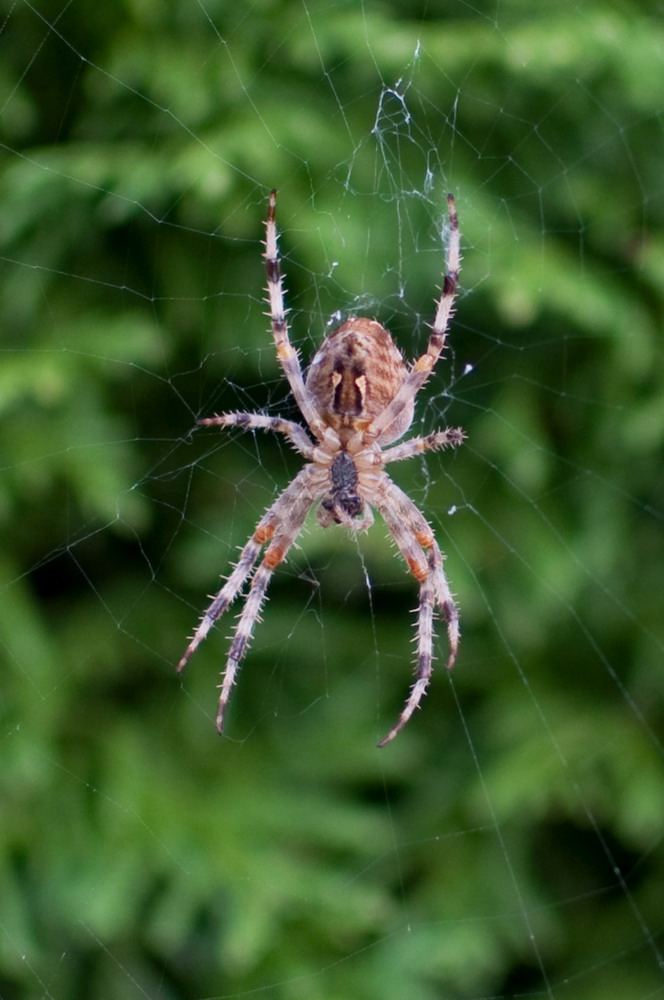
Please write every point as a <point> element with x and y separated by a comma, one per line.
<point>342,505</point>
<point>340,508</point>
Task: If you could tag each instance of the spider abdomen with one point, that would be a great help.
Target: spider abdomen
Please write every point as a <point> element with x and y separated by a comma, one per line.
<point>355,374</point>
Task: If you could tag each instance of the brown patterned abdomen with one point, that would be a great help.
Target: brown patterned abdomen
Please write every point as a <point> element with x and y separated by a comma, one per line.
<point>353,376</point>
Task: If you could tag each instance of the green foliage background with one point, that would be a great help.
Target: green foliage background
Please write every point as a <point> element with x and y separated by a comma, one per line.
<point>509,843</point>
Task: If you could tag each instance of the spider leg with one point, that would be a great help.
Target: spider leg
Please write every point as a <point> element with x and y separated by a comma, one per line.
<point>451,437</point>
<point>422,368</point>
<point>288,356</point>
<point>424,659</point>
<point>258,421</point>
<point>286,518</point>
<point>419,548</point>
<point>263,533</point>
<point>229,591</point>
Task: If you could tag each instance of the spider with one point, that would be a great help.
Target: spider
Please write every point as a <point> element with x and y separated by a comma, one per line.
<point>357,396</point>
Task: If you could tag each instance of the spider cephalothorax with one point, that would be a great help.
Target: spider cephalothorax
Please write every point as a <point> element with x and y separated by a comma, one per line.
<point>343,501</point>
<point>357,397</point>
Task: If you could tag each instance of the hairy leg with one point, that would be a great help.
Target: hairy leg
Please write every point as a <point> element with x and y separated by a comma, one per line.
<point>451,437</point>
<point>288,516</point>
<point>423,366</point>
<point>419,548</point>
<point>302,491</point>
<point>286,353</point>
<point>258,421</point>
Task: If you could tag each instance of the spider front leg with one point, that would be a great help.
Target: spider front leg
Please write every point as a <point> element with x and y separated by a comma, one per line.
<point>424,655</point>
<point>229,591</point>
<point>286,518</point>
<point>418,546</point>
<point>279,527</point>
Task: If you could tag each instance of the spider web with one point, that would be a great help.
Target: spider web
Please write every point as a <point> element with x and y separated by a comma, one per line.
<point>509,842</point>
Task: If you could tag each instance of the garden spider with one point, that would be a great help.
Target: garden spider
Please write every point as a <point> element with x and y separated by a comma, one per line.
<point>357,396</point>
